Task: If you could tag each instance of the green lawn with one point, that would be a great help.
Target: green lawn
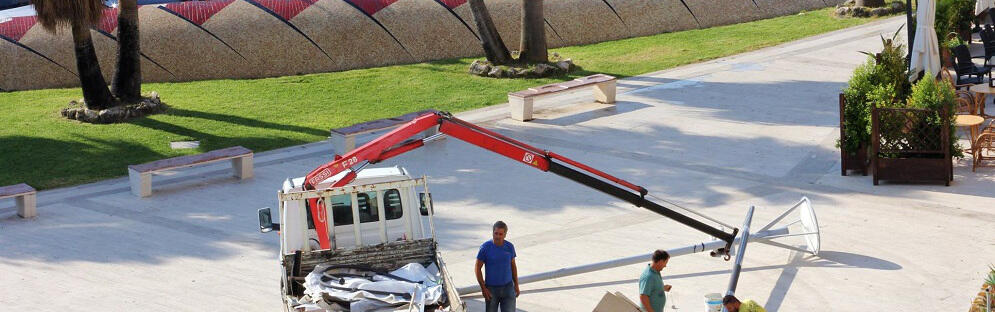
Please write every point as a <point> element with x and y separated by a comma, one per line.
<point>46,151</point>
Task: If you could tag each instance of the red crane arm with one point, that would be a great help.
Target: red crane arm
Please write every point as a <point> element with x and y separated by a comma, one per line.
<point>393,143</point>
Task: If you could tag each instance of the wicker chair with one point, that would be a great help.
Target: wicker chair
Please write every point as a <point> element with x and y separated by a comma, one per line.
<point>983,150</point>
<point>966,100</point>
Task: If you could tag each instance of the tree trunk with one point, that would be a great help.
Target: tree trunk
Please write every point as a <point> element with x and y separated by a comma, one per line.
<point>127,82</point>
<point>533,48</point>
<point>91,80</point>
<point>497,53</point>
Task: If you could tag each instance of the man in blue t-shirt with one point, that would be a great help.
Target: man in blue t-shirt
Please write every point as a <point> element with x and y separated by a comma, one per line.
<point>498,256</point>
<point>652,291</point>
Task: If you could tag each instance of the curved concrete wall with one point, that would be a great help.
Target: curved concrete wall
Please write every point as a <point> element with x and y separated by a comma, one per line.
<point>199,40</point>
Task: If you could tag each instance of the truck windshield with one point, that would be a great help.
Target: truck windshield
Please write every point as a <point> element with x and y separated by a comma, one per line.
<point>368,208</point>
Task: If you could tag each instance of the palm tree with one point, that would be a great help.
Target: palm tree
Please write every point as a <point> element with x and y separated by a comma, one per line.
<point>533,49</point>
<point>79,15</point>
<point>127,82</point>
<point>494,48</point>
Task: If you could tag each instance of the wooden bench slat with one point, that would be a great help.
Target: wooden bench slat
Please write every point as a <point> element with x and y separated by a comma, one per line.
<point>560,86</point>
<point>182,161</point>
<point>381,123</point>
<point>17,189</point>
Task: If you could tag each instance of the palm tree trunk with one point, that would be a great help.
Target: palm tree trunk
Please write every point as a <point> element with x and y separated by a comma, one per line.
<point>497,53</point>
<point>533,48</point>
<point>91,80</point>
<point>127,82</point>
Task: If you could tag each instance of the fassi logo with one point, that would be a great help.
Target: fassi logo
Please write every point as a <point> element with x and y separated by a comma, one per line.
<point>528,158</point>
<point>324,174</point>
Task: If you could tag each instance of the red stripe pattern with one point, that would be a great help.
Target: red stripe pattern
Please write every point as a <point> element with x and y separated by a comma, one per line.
<point>452,4</point>
<point>15,28</point>
<point>108,21</point>
<point>198,12</point>
<point>371,7</point>
<point>286,9</point>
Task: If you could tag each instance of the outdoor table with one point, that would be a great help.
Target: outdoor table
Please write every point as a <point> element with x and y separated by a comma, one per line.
<point>972,121</point>
<point>982,90</point>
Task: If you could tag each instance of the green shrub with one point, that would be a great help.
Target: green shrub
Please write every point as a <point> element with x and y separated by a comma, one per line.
<point>935,95</point>
<point>952,41</point>
<point>882,80</point>
<point>954,16</point>
<point>857,113</point>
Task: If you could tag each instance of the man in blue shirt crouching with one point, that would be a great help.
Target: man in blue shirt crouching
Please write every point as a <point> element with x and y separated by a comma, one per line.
<point>498,257</point>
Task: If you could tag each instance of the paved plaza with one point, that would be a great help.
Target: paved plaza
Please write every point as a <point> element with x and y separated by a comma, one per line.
<point>752,129</point>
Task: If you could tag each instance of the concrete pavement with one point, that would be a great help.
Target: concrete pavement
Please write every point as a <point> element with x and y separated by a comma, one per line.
<point>752,129</point>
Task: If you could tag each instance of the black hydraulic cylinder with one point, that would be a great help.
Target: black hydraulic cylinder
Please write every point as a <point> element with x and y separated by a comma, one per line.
<point>637,200</point>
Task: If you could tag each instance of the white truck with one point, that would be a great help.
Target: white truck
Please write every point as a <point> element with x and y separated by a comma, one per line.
<point>395,228</point>
<point>395,219</point>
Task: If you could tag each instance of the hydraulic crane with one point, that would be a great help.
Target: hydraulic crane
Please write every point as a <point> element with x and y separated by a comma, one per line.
<point>397,142</point>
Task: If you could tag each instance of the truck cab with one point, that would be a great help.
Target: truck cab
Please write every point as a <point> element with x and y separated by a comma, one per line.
<point>382,219</point>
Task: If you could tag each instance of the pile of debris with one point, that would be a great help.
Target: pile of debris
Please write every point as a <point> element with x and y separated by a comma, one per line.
<point>412,287</point>
<point>148,105</point>
<point>555,67</point>
<point>868,8</point>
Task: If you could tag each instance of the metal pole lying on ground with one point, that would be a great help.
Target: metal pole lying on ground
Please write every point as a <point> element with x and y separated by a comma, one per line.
<point>810,230</point>
<point>738,265</point>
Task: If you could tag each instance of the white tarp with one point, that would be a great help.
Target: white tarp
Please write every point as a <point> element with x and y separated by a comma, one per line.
<point>369,292</point>
<point>925,49</point>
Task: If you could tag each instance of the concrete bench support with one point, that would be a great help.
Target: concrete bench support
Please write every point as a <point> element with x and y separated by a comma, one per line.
<point>140,176</point>
<point>605,92</point>
<point>521,103</point>
<point>25,196</point>
<point>344,139</point>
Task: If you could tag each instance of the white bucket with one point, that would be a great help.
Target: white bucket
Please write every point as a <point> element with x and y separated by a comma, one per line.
<point>713,302</point>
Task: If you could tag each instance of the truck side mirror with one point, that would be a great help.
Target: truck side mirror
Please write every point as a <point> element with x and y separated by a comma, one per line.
<point>426,201</point>
<point>266,221</point>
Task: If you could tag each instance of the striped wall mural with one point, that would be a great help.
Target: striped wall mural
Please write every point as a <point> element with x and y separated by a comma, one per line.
<point>197,40</point>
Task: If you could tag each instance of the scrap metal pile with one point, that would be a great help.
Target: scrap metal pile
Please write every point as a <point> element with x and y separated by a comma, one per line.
<point>412,287</point>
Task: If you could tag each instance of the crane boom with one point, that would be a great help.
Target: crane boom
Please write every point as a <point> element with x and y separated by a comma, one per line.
<point>396,142</point>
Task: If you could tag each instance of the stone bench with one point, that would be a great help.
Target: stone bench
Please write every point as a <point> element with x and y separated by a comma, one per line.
<point>520,102</point>
<point>24,195</point>
<point>141,175</point>
<point>344,139</point>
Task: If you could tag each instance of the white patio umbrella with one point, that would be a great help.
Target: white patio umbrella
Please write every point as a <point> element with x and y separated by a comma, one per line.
<point>925,49</point>
<point>981,5</point>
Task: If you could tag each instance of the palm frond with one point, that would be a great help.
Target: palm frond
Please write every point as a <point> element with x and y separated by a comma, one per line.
<point>53,14</point>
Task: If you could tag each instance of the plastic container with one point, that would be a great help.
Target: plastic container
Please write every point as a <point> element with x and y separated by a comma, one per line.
<point>713,302</point>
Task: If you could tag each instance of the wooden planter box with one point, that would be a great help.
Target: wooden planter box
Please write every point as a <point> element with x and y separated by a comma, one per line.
<point>894,160</point>
<point>857,161</point>
<point>912,170</point>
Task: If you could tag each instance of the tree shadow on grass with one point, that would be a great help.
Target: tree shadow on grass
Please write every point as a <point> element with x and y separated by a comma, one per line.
<point>45,163</point>
<point>210,141</point>
<point>111,226</point>
<point>248,122</point>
